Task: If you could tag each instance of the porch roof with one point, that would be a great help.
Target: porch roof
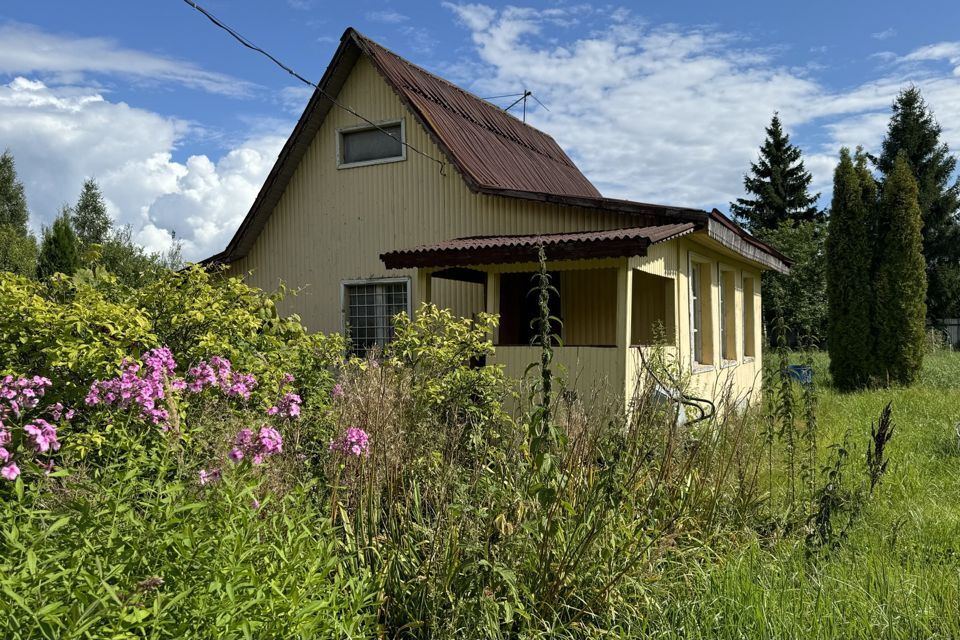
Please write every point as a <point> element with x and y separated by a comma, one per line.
<point>580,245</point>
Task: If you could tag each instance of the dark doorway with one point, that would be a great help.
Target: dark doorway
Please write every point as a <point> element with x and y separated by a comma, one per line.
<point>519,308</point>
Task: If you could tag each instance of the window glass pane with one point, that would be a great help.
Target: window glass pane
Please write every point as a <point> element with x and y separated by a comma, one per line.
<point>749,329</point>
<point>697,313</point>
<point>728,320</point>
<point>371,144</point>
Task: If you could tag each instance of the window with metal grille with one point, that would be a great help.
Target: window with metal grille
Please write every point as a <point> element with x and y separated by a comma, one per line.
<point>369,308</point>
<point>358,146</point>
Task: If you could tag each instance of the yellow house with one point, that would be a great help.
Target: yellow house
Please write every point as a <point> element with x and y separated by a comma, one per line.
<point>397,187</point>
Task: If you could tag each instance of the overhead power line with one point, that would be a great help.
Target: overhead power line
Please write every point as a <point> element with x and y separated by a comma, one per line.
<point>250,45</point>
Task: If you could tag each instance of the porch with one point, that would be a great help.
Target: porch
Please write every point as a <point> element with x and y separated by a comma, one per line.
<point>613,298</point>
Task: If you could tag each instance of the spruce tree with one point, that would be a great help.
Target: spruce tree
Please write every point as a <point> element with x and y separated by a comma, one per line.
<point>59,251</point>
<point>90,219</point>
<point>901,279</point>
<point>780,209</point>
<point>777,185</point>
<point>849,292</point>
<point>914,132</point>
<point>13,202</point>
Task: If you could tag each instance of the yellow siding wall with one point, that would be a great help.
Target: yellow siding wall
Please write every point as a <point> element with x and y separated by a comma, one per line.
<point>588,302</point>
<point>742,375</point>
<point>332,224</point>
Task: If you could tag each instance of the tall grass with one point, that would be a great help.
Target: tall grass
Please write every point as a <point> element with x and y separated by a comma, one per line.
<point>896,574</point>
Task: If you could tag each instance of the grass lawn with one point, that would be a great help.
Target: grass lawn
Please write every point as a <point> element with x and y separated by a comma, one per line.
<point>898,574</point>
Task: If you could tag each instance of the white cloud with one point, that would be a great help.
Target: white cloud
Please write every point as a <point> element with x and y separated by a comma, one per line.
<point>294,98</point>
<point>675,114</point>
<point>60,136</point>
<point>387,16</point>
<point>949,51</point>
<point>26,50</point>
<point>884,35</point>
<point>210,199</point>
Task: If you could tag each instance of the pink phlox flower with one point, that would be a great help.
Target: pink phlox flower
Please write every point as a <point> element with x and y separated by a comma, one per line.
<point>337,391</point>
<point>42,435</point>
<point>219,372</point>
<point>5,436</point>
<point>270,440</point>
<point>267,442</point>
<point>354,441</point>
<point>287,378</point>
<point>206,477</point>
<point>241,384</point>
<point>143,386</point>
<point>4,454</point>
<point>244,438</point>
<point>59,412</point>
<point>10,472</point>
<point>288,407</point>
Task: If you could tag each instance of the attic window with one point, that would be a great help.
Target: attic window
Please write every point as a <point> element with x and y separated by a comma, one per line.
<point>365,144</point>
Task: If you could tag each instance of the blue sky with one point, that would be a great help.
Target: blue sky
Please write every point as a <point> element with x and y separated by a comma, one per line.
<point>662,102</point>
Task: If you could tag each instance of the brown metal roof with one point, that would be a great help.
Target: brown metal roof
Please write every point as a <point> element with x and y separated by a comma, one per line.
<point>491,148</point>
<point>579,245</point>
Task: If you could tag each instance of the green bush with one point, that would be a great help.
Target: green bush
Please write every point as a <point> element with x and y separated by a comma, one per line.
<point>114,553</point>
<point>80,329</point>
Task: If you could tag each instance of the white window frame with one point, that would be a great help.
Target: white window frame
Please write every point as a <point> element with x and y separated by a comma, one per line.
<point>706,265</point>
<point>367,127</point>
<point>721,270</point>
<point>749,341</point>
<point>345,303</point>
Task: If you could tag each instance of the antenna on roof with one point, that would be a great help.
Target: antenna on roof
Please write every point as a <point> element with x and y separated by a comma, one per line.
<point>520,97</point>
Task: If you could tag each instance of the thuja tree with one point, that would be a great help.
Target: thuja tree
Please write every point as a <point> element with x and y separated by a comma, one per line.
<point>914,132</point>
<point>849,290</point>
<point>901,278</point>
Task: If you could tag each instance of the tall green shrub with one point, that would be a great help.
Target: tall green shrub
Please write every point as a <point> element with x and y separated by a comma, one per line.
<point>18,247</point>
<point>799,297</point>
<point>901,279</point>
<point>59,251</point>
<point>849,290</point>
<point>90,217</point>
<point>13,201</point>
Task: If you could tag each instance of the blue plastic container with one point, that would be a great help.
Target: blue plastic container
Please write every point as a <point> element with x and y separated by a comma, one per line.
<point>801,373</point>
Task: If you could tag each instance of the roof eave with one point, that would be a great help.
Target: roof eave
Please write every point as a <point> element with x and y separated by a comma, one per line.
<point>734,237</point>
<point>580,249</point>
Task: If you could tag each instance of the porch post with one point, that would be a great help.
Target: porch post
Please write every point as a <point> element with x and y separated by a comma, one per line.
<point>624,324</point>
<point>493,299</point>
<point>424,288</point>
